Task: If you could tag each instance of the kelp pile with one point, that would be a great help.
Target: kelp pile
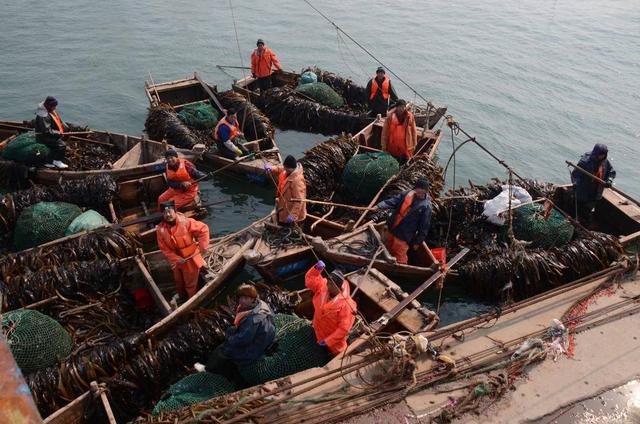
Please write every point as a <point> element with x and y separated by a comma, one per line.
<point>136,370</point>
<point>85,156</point>
<point>355,95</point>
<point>163,123</point>
<point>253,123</point>
<point>323,165</point>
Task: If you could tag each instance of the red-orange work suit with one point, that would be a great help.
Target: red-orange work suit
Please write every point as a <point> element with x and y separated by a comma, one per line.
<point>182,197</point>
<point>332,318</point>
<point>399,138</point>
<point>187,237</point>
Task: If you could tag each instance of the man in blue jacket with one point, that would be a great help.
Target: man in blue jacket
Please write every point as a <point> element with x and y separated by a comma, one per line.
<point>409,222</point>
<point>252,333</point>
<point>587,190</point>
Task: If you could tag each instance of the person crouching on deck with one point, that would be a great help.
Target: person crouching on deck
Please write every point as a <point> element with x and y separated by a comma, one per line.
<point>181,176</point>
<point>334,310</point>
<point>251,335</point>
<point>227,135</point>
<point>399,133</point>
<point>290,185</point>
<point>409,222</point>
<point>182,240</point>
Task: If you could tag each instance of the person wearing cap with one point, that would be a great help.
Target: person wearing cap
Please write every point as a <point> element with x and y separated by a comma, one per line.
<point>263,60</point>
<point>588,191</point>
<point>182,240</point>
<point>227,135</point>
<point>49,130</point>
<point>380,92</point>
<point>181,178</point>
<point>408,224</point>
<point>399,133</point>
<point>253,332</point>
<point>334,310</point>
<point>290,185</point>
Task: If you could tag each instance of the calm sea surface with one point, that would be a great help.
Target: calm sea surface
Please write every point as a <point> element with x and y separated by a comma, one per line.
<point>537,82</point>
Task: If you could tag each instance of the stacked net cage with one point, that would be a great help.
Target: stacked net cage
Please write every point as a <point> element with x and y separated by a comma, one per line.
<point>321,93</point>
<point>35,340</point>
<point>25,149</point>
<point>366,173</point>
<point>201,116</point>
<point>193,389</point>
<point>529,224</point>
<point>43,222</point>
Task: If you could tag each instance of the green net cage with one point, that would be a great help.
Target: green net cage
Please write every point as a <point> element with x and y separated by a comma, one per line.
<point>43,222</point>
<point>321,93</point>
<point>25,149</point>
<point>529,225</point>
<point>201,116</point>
<point>192,389</point>
<point>297,351</point>
<point>86,221</point>
<point>35,340</point>
<point>366,173</point>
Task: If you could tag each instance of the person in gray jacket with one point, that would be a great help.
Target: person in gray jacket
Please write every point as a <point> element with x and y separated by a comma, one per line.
<point>49,130</point>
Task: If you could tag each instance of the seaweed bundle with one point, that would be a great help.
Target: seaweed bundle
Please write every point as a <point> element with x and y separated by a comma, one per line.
<point>254,124</point>
<point>163,123</point>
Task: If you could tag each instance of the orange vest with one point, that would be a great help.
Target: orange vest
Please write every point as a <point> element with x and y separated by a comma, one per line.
<point>375,88</point>
<point>179,237</point>
<point>397,144</point>
<point>223,121</point>
<point>404,209</point>
<point>58,121</point>
<point>179,174</point>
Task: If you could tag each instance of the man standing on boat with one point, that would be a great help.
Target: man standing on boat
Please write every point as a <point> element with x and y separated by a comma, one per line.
<point>334,310</point>
<point>251,335</point>
<point>290,185</point>
<point>227,135</point>
<point>263,60</point>
<point>181,177</point>
<point>380,92</point>
<point>182,240</point>
<point>409,222</point>
<point>49,130</point>
<point>399,133</point>
<point>587,190</point>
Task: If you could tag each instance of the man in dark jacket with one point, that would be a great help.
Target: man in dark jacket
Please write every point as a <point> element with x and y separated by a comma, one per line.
<point>252,333</point>
<point>380,93</point>
<point>49,130</point>
<point>409,223</point>
<point>587,190</point>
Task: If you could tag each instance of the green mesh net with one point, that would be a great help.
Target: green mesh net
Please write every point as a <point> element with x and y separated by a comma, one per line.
<point>43,222</point>
<point>366,173</point>
<point>25,149</point>
<point>86,221</point>
<point>321,93</point>
<point>308,78</point>
<point>192,389</point>
<point>297,351</point>
<point>35,340</point>
<point>530,225</point>
<point>200,116</point>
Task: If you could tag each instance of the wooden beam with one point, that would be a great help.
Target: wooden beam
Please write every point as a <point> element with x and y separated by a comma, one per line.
<point>100,391</point>
<point>209,92</point>
<point>161,302</point>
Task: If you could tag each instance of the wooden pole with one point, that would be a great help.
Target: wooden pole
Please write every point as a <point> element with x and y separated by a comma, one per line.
<point>339,205</point>
<point>601,181</point>
<point>210,93</point>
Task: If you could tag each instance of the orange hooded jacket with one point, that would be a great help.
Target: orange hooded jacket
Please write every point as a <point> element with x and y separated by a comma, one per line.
<point>332,318</point>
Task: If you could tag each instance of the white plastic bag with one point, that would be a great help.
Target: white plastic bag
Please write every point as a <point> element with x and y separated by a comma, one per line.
<point>494,209</point>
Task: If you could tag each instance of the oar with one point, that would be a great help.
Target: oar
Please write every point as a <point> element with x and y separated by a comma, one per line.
<point>338,205</point>
<point>601,181</point>
<point>237,161</point>
<point>231,67</point>
<point>158,215</point>
<point>76,133</point>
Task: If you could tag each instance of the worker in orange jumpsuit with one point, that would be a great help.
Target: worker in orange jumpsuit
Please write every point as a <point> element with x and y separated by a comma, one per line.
<point>334,310</point>
<point>381,93</point>
<point>291,185</point>
<point>181,175</point>
<point>409,222</point>
<point>263,60</point>
<point>182,240</point>
<point>399,134</point>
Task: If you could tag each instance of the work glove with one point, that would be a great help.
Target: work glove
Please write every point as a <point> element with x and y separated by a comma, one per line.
<point>608,184</point>
<point>238,151</point>
<point>268,168</point>
<point>185,185</point>
<point>253,75</point>
<point>322,343</point>
<point>199,367</point>
<point>289,219</point>
<point>320,266</point>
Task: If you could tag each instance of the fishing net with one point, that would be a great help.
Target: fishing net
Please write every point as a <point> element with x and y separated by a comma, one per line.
<point>193,389</point>
<point>297,351</point>
<point>321,93</point>
<point>25,149</point>
<point>43,222</point>
<point>366,173</point>
<point>201,116</point>
<point>162,123</point>
<point>86,221</point>
<point>308,77</point>
<point>35,340</point>
<point>529,225</point>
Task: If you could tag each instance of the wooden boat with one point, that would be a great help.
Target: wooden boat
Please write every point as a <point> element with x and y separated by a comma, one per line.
<point>194,90</point>
<point>355,98</point>
<point>140,157</point>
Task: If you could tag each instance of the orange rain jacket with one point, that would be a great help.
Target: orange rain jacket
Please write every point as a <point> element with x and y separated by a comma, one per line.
<point>399,139</point>
<point>261,64</point>
<point>292,186</point>
<point>332,318</point>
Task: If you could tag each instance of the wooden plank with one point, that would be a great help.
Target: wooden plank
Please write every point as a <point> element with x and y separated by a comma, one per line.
<point>131,158</point>
<point>209,92</point>
<point>159,299</point>
<point>73,412</point>
<point>630,238</point>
